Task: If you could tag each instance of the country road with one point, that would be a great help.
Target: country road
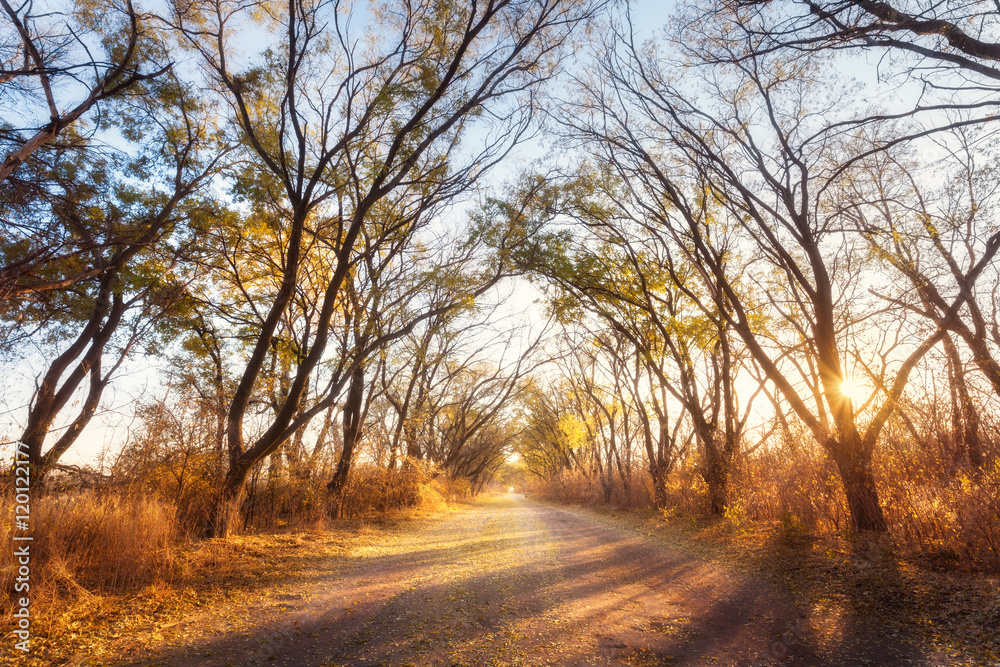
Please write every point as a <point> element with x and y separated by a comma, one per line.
<point>508,581</point>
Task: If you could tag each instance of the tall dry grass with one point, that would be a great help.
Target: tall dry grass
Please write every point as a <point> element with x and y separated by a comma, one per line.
<point>952,518</point>
<point>936,509</point>
<point>797,487</point>
<point>290,502</point>
<point>123,538</point>
<point>85,543</point>
<point>584,489</point>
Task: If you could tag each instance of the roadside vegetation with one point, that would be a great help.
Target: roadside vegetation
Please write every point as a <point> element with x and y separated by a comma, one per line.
<point>112,572</point>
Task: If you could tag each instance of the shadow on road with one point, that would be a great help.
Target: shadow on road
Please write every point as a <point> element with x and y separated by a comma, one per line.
<point>515,583</point>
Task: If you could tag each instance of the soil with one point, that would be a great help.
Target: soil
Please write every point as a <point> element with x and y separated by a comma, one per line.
<point>508,581</point>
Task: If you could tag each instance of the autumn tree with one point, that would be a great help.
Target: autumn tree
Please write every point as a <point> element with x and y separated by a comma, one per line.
<point>601,411</point>
<point>932,235</point>
<point>949,38</point>
<point>429,363</point>
<point>551,435</point>
<point>743,145</point>
<point>334,124</point>
<point>618,266</point>
<point>57,67</point>
<point>67,77</point>
<point>474,421</point>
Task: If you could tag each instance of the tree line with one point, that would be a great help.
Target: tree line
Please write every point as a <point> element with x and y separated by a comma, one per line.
<point>773,222</point>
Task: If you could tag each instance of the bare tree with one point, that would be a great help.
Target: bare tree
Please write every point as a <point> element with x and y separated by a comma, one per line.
<point>948,36</point>
<point>745,154</point>
<point>933,236</point>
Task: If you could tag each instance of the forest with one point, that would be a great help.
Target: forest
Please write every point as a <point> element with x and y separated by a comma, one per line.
<point>281,266</point>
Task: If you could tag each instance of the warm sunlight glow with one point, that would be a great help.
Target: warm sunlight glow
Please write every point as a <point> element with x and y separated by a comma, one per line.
<point>851,389</point>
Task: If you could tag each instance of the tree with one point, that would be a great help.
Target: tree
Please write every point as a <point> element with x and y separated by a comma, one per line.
<point>946,55</point>
<point>618,267</point>
<point>944,36</point>
<point>140,213</point>
<point>600,412</point>
<point>745,147</point>
<point>331,130</point>
<point>942,57</point>
<point>74,61</point>
<point>932,237</point>
<point>551,437</point>
<point>473,421</point>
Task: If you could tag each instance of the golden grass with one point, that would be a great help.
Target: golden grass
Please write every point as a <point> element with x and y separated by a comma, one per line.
<point>91,542</point>
<point>104,563</point>
<point>370,491</point>
<point>937,510</point>
<point>88,544</point>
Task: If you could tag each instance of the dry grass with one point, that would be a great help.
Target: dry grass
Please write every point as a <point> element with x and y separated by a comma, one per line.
<point>949,520</point>
<point>939,513</point>
<point>290,503</point>
<point>104,562</point>
<point>103,626</point>
<point>579,488</point>
<point>375,490</point>
<point>90,542</point>
<point>87,548</point>
<point>84,607</point>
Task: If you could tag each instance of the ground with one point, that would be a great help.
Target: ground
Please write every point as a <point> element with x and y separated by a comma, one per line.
<point>508,581</point>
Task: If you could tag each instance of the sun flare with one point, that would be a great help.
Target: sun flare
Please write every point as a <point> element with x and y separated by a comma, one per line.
<point>851,390</point>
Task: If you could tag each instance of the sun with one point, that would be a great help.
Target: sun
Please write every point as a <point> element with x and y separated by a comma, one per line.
<point>851,390</point>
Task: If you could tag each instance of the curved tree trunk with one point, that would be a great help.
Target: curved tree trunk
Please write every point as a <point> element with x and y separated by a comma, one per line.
<point>227,506</point>
<point>716,476</point>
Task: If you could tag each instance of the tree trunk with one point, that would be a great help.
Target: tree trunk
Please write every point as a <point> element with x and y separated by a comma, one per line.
<point>227,506</point>
<point>51,397</point>
<point>659,485</point>
<point>716,476</point>
<point>859,486</point>
<point>352,429</point>
<point>965,420</point>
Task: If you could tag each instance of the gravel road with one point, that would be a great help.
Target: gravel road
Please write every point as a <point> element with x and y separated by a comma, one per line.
<point>506,581</point>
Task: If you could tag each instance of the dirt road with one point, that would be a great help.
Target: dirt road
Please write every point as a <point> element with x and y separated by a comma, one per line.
<point>511,582</point>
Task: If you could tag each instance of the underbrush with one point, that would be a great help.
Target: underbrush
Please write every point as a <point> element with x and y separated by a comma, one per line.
<point>113,626</point>
<point>948,520</point>
<point>579,488</point>
<point>939,513</point>
<point>125,541</point>
<point>85,543</point>
<point>370,490</point>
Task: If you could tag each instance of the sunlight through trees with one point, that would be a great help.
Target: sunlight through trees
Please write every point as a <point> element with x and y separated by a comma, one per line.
<point>752,274</point>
